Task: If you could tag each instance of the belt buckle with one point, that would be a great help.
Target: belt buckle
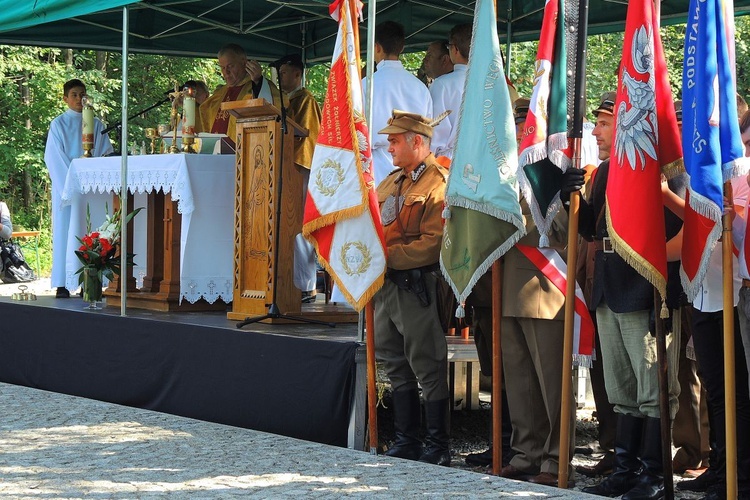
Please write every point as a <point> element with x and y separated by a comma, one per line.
<point>607,245</point>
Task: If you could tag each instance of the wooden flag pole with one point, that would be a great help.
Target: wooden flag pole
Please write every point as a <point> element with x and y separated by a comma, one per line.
<point>661,360</point>
<point>666,423</point>
<point>497,368</point>
<point>579,111</point>
<point>372,393</point>
<point>730,404</point>
<point>497,355</point>
<point>567,354</point>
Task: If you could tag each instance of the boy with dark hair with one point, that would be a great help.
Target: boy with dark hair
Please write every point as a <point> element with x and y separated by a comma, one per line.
<point>390,35</point>
<point>64,143</point>
<point>460,38</point>
<point>393,88</point>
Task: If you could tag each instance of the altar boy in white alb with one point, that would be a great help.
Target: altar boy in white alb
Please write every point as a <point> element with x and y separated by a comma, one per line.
<point>63,145</point>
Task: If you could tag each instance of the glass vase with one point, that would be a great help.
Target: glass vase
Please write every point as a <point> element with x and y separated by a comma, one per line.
<point>92,288</point>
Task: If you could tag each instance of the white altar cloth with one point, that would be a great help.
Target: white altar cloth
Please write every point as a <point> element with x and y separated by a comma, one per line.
<point>202,185</point>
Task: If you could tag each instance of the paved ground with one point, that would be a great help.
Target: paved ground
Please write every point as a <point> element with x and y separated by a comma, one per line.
<point>59,446</point>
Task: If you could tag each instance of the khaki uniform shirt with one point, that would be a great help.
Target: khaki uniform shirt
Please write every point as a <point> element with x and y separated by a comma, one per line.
<point>415,242</point>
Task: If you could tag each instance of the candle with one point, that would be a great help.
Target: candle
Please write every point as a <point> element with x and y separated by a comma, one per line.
<point>88,121</point>
<point>188,111</point>
<point>87,129</point>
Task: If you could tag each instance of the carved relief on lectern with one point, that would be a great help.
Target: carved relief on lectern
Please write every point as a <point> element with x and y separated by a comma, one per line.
<point>255,220</point>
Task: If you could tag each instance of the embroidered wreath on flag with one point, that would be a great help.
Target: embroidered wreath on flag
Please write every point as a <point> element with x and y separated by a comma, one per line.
<point>363,251</point>
<point>329,178</point>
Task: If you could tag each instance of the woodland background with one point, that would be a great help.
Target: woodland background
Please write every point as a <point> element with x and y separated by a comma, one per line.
<point>31,80</point>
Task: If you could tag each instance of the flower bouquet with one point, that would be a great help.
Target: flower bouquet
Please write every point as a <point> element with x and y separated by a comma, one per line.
<point>99,254</point>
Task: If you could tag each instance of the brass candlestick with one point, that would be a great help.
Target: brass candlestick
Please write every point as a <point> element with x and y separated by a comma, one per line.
<point>174,118</point>
<point>152,134</point>
<point>173,148</point>
<point>162,129</point>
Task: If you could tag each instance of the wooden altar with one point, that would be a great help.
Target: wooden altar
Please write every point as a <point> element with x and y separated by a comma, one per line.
<point>187,242</point>
<point>267,179</point>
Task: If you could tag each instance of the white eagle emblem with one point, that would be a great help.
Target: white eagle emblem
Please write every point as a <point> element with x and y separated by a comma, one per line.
<point>637,127</point>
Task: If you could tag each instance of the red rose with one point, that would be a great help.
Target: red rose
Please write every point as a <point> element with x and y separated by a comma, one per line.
<point>106,245</point>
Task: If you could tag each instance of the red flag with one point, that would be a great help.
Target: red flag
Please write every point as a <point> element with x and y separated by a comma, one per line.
<point>646,144</point>
<point>342,218</point>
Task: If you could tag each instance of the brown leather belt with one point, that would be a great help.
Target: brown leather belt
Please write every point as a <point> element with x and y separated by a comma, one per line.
<point>746,283</point>
<point>604,245</point>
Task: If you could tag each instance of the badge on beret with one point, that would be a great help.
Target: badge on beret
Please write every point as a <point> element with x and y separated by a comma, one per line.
<point>389,211</point>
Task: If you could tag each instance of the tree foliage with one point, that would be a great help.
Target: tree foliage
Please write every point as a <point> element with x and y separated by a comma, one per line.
<point>31,80</point>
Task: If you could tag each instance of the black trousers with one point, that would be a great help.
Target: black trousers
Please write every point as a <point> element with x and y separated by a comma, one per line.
<point>708,340</point>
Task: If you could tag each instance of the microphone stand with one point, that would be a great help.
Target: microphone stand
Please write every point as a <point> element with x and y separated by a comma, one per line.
<point>273,309</point>
<point>118,126</point>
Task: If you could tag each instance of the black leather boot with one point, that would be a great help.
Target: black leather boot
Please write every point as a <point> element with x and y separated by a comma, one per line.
<point>626,466</point>
<point>437,441</point>
<point>715,472</point>
<point>407,421</point>
<point>650,485</point>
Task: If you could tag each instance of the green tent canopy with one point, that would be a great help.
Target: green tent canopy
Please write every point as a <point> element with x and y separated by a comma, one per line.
<point>269,29</point>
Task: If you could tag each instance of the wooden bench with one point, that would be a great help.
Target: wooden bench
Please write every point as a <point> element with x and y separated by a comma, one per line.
<point>463,373</point>
<point>29,240</point>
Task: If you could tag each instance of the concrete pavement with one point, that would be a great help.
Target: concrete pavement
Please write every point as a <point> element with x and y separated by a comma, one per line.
<point>58,446</point>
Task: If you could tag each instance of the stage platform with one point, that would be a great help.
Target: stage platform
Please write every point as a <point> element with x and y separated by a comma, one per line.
<point>298,380</point>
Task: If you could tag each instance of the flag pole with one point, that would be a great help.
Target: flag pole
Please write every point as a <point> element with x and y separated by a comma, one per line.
<point>579,112</point>
<point>730,404</point>
<point>661,362</point>
<point>372,394</point>
<point>497,352</point>
<point>497,368</point>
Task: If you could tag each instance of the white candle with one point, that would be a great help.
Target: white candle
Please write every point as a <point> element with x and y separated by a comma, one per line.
<point>188,110</point>
<point>87,132</point>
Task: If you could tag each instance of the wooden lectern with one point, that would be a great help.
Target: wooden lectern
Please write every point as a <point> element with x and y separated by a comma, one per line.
<point>265,158</point>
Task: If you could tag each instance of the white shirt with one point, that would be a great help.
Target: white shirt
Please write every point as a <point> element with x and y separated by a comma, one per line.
<point>742,232</point>
<point>447,92</point>
<point>64,143</point>
<point>393,88</point>
<point>710,296</point>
